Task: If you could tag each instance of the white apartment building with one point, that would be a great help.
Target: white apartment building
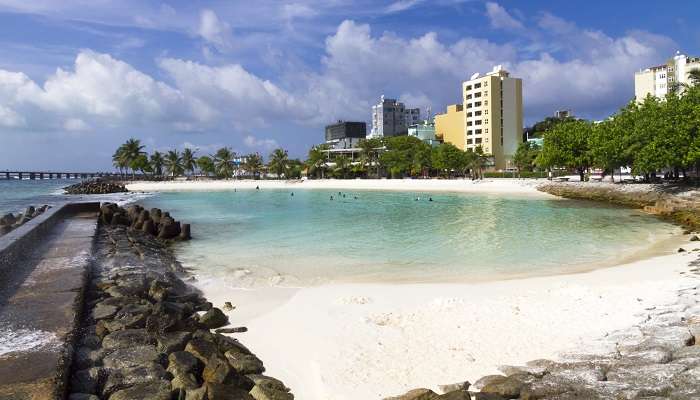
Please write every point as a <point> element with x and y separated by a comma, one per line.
<point>391,118</point>
<point>658,80</point>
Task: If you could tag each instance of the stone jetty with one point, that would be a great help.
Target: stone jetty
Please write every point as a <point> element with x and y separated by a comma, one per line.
<point>147,334</point>
<point>10,221</point>
<point>96,186</point>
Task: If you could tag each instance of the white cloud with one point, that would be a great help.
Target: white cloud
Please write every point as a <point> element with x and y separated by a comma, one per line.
<point>265,144</point>
<point>75,125</point>
<point>213,30</point>
<point>402,5</point>
<point>298,10</point>
<point>500,18</point>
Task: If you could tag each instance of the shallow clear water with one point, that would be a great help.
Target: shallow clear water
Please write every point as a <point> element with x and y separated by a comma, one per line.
<point>16,195</point>
<point>253,238</point>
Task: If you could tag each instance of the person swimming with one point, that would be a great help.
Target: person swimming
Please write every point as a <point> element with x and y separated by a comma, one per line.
<point>331,197</point>
<point>430,199</point>
<point>292,194</point>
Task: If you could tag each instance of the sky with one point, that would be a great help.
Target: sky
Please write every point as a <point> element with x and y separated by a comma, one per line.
<point>77,78</point>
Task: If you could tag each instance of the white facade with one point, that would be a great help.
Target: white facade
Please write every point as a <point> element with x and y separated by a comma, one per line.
<point>391,118</point>
<point>658,80</point>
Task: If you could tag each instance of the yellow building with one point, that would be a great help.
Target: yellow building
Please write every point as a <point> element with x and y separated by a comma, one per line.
<point>490,116</point>
<point>493,114</point>
<point>449,127</point>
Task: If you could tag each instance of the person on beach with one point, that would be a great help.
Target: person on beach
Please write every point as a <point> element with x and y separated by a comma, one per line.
<point>257,188</point>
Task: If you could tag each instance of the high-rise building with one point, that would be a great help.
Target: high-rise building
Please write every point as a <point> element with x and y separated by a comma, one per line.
<point>493,114</point>
<point>658,80</point>
<point>490,116</point>
<point>391,118</point>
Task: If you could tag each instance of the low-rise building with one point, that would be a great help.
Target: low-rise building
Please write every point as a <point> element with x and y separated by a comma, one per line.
<point>424,131</point>
<point>345,134</point>
<point>660,79</point>
<point>449,127</point>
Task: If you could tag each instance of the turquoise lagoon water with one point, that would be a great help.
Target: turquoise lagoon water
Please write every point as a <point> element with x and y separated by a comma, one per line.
<point>16,195</point>
<point>252,238</point>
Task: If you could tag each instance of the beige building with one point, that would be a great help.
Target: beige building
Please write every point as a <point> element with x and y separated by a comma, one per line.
<point>449,127</point>
<point>657,81</point>
<point>491,117</point>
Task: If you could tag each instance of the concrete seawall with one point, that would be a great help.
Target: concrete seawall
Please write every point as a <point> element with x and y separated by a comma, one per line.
<point>44,267</point>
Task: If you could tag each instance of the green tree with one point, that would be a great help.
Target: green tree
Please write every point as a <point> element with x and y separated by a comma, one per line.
<point>253,164</point>
<point>566,145</point>
<point>448,160</point>
<point>316,160</point>
<point>223,162</point>
<point>400,155</point>
<point>189,162</point>
<point>140,163</point>
<point>369,153</point>
<point>119,160</point>
<point>342,165</point>
<point>525,155</point>
<point>206,165</point>
<point>130,151</point>
<point>157,163</point>
<point>478,160</point>
<point>173,163</point>
<point>279,162</point>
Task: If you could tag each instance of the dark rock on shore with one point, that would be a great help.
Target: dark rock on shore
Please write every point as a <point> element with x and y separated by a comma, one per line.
<point>9,222</point>
<point>142,337</point>
<point>95,186</point>
<point>153,222</point>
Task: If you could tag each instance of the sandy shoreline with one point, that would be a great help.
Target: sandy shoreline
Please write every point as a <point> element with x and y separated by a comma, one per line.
<point>525,187</point>
<point>349,341</point>
<point>372,340</point>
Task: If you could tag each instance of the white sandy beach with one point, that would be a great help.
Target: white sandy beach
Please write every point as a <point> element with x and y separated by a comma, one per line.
<point>372,340</point>
<point>368,341</point>
<point>491,186</point>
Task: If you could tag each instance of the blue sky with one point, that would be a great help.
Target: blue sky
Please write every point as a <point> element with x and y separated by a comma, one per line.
<point>78,78</point>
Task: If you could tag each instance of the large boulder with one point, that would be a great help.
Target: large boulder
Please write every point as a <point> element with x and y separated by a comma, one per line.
<point>214,318</point>
<point>169,228</point>
<point>158,390</point>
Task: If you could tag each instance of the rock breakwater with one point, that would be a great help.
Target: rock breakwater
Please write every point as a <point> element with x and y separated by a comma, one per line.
<point>96,186</point>
<point>155,222</point>
<point>146,334</point>
<point>678,203</point>
<point>9,221</point>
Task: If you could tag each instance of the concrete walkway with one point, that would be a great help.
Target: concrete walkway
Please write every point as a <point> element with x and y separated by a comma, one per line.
<point>40,303</point>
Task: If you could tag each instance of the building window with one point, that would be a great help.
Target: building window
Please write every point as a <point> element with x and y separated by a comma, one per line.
<point>486,120</point>
<point>470,132</point>
<point>469,141</point>
<point>486,92</point>
<point>486,130</point>
<point>469,105</point>
<point>477,132</point>
<point>477,122</point>
<point>477,94</point>
<point>486,111</point>
<point>477,104</point>
<point>486,83</point>
<point>469,87</point>
<point>477,140</point>
<point>469,123</point>
<point>478,85</point>
<point>486,102</point>
<point>477,113</point>
<point>469,114</point>
<point>469,97</point>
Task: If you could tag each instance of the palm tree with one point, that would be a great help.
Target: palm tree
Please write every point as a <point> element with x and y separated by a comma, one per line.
<point>479,161</point>
<point>223,162</point>
<point>119,160</point>
<point>253,164</point>
<point>131,150</point>
<point>279,162</point>
<point>317,159</point>
<point>341,166</point>
<point>157,163</point>
<point>173,163</point>
<point>206,165</point>
<point>189,162</point>
<point>370,152</point>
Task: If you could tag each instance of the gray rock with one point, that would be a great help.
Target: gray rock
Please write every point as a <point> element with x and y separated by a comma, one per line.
<point>265,393</point>
<point>197,394</point>
<point>130,357</point>
<point>652,378</point>
<point>268,382</point>
<point>201,349</point>
<point>125,378</point>
<point>505,386</point>
<point>127,338</point>
<point>216,391</point>
<point>173,341</point>
<point>228,306</point>
<point>159,390</point>
<point>183,361</point>
<point>454,387</point>
<point>245,363</point>
<point>86,357</point>
<point>218,370</point>
<point>214,318</point>
<point>185,381</point>
<point>86,380</point>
